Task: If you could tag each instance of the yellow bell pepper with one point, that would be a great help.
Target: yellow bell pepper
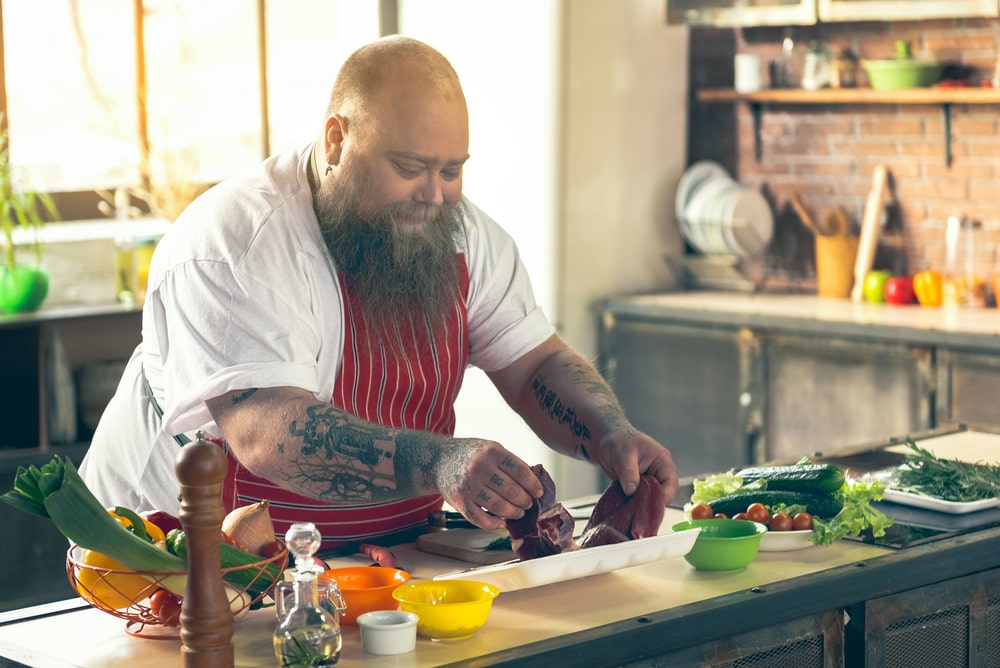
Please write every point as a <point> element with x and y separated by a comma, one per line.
<point>115,590</point>
<point>928,286</point>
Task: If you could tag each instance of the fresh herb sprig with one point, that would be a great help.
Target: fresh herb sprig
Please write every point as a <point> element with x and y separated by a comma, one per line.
<point>922,472</point>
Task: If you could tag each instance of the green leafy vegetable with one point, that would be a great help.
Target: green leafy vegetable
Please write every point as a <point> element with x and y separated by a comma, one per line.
<point>857,515</point>
<point>719,485</point>
<point>57,492</point>
<point>924,473</point>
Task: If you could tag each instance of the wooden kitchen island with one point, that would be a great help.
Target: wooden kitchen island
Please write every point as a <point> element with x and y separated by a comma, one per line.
<point>936,604</point>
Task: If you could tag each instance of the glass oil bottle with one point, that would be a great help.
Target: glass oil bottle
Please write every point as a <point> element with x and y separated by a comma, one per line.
<point>307,635</point>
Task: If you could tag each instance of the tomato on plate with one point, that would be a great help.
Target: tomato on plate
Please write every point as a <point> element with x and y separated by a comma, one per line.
<point>758,512</point>
<point>702,511</point>
<point>780,522</point>
<point>802,521</point>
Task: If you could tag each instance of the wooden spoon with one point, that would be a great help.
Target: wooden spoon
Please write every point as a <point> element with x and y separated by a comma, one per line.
<point>804,216</point>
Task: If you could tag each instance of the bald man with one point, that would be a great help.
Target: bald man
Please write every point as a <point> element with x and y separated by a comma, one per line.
<point>316,316</point>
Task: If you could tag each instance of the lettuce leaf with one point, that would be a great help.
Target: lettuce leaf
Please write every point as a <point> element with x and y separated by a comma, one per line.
<point>857,515</point>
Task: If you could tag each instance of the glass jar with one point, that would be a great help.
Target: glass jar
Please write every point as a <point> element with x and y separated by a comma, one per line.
<point>967,264</point>
<point>816,67</point>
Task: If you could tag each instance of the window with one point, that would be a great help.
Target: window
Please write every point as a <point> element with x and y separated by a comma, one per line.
<point>91,107</point>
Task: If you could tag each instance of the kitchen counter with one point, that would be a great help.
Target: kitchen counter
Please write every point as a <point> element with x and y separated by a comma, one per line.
<point>913,324</point>
<point>608,619</point>
<point>550,615</point>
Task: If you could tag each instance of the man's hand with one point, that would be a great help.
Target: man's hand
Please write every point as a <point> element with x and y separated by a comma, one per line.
<point>625,454</point>
<point>486,482</point>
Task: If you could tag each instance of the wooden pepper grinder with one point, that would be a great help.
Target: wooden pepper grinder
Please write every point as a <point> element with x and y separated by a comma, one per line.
<point>206,620</point>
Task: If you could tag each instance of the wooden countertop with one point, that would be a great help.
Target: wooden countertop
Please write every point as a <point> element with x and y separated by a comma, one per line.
<point>913,324</point>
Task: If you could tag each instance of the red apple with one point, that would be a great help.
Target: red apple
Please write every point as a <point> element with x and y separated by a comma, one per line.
<point>899,290</point>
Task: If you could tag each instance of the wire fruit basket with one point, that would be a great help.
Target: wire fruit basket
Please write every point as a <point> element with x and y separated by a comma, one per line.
<point>126,594</point>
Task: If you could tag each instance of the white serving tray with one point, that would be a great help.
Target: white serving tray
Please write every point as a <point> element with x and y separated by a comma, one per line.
<point>940,505</point>
<point>514,575</point>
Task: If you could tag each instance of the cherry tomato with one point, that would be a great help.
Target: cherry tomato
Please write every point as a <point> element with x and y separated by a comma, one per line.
<point>757,512</point>
<point>740,516</point>
<point>166,607</point>
<point>802,521</point>
<point>720,516</point>
<point>780,522</point>
<point>702,511</point>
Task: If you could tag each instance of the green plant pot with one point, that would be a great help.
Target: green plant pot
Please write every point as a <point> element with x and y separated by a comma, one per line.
<point>22,289</point>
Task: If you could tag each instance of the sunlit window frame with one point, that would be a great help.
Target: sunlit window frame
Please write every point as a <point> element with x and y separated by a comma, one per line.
<point>80,205</point>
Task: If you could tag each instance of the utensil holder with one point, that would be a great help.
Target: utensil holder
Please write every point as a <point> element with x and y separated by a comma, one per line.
<point>835,265</point>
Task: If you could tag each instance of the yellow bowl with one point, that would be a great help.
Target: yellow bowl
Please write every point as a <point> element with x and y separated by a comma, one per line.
<point>366,588</point>
<point>448,609</point>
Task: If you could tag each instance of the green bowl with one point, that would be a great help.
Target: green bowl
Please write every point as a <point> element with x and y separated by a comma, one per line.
<point>723,545</point>
<point>900,73</point>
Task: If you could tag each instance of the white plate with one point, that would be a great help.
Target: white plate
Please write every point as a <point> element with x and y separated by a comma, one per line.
<point>516,575</point>
<point>700,215</point>
<point>692,178</point>
<point>940,505</point>
<point>784,541</point>
<point>749,223</point>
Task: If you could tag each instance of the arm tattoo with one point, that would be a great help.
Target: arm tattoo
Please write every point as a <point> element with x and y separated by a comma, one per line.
<point>562,414</point>
<point>343,459</point>
<point>243,396</point>
<point>605,405</point>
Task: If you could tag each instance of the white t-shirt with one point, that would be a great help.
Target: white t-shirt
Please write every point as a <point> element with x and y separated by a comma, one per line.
<point>243,294</point>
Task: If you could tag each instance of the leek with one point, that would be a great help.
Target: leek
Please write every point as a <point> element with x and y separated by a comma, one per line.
<point>58,493</point>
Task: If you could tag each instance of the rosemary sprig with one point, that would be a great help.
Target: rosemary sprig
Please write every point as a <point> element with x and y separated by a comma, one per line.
<point>949,479</point>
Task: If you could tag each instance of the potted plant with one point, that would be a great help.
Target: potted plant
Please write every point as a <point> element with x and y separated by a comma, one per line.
<point>23,287</point>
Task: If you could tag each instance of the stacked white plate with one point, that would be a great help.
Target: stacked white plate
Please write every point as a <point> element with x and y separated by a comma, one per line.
<point>718,216</point>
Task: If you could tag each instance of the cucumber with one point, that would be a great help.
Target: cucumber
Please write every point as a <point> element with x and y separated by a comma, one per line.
<point>252,580</point>
<point>815,478</point>
<point>819,505</point>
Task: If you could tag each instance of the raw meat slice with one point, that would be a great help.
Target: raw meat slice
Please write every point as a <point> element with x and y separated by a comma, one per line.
<point>618,518</point>
<point>546,528</point>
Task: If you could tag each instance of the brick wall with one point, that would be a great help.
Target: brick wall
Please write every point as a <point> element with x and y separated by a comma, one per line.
<point>827,154</point>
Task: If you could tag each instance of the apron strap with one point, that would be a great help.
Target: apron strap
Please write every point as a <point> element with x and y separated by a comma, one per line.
<point>180,438</point>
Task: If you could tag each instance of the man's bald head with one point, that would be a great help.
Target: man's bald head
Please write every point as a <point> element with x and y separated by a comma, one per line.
<point>387,66</point>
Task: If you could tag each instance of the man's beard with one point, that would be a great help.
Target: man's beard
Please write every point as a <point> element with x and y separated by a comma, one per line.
<point>394,274</point>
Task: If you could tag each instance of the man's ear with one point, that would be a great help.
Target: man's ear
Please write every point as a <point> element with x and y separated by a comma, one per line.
<point>334,136</point>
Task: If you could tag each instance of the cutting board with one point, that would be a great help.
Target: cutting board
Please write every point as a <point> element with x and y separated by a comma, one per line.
<point>465,544</point>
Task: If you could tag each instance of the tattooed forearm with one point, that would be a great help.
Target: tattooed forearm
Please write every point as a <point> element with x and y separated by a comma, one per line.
<point>562,414</point>
<point>343,459</point>
<point>243,396</point>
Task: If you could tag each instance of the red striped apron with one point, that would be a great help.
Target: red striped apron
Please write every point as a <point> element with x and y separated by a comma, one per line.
<point>415,390</point>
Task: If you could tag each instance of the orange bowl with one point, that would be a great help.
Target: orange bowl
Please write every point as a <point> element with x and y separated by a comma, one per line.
<point>366,588</point>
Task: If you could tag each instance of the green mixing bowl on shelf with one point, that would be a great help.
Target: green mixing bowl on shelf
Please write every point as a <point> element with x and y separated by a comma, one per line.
<point>903,71</point>
<point>723,544</point>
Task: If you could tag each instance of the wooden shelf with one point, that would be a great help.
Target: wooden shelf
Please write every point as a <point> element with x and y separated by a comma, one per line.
<point>932,96</point>
<point>940,97</point>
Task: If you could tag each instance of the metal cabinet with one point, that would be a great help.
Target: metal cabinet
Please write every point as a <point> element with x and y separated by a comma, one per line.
<point>953,623</point>
<point>723,396</point>
<point>691,388</point>
<point>967,388</point>
<point>827,394</point>
<point>741,12</point>
<point>816,641</point>
<point>910,10</point>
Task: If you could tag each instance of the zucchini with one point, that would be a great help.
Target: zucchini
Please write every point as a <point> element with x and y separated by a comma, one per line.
<point>252,580</point>
<point>818,505</point>
<point>815,478</point>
